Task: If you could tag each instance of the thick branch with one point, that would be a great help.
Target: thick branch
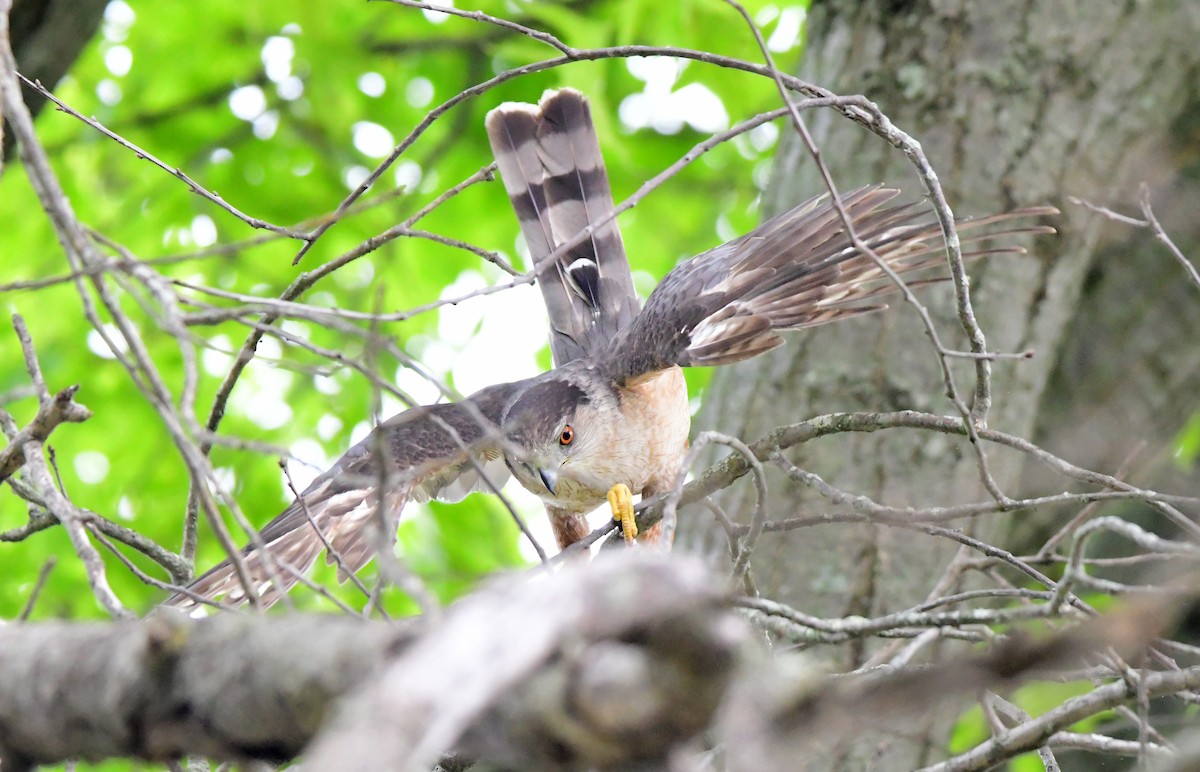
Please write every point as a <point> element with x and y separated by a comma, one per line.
<point>229,687</point>
<point>609,662</point>
<point>606,666</point>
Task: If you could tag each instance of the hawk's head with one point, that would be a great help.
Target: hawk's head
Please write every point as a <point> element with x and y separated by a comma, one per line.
<point>558,431</point>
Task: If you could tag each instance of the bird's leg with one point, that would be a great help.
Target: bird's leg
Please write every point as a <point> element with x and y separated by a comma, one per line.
<point>568,526</point>
<point>620,498</point>
<point>657,535</point>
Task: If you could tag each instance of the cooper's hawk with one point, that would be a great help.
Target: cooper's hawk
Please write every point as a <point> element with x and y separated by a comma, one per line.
<point>612,418</point>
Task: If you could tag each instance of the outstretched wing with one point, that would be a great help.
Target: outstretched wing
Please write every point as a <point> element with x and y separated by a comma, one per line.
<point>797,270</point>
<point>439,451</point>
<point>552,169</point>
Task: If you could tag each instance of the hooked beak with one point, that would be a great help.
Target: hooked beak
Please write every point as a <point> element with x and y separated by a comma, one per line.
<point>549,479</point>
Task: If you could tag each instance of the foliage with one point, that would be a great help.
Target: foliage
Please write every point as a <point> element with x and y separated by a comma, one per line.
<point>282,109</point>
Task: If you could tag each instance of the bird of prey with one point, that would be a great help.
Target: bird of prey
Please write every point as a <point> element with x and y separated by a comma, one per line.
<point>611,419</point>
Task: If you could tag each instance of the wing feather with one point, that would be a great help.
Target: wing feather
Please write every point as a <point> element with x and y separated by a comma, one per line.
<point>795,271</point>
<point>437,451</point>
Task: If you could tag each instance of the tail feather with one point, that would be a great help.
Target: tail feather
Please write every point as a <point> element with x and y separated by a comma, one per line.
<point>554,174</point>
<point>579,195</point>
<point>512,129</point>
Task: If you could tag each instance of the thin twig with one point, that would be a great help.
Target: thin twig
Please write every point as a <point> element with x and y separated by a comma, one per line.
<point>195,187</point>
<point>38,584</point>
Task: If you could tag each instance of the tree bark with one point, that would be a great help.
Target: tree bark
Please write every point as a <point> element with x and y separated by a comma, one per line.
<point>615,665</point>
<point>609,664</point>
<point>230,687</point>
<point>1014,105</point>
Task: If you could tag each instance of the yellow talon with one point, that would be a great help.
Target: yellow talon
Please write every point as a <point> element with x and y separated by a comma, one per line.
<point>620,498</point>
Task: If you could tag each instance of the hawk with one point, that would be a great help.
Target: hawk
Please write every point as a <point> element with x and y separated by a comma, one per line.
<point>611,419</point>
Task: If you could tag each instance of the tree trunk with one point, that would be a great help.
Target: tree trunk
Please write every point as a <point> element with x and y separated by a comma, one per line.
<point>1014,105</point>
<point>47,37</point>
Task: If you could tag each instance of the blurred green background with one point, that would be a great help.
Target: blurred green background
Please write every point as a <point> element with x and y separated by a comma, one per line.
<point>282,108</point>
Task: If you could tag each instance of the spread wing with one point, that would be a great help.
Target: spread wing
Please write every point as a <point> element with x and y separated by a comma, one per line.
<point>797,270</point>
<point>550,162</point>
<point>439,451</point>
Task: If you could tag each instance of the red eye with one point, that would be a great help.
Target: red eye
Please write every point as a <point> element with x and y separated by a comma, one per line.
<point>567,436</point>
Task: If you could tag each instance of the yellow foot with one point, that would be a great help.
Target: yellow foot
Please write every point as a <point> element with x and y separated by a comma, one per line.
<point>620,498</point>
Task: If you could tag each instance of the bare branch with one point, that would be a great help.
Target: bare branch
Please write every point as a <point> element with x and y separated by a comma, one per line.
<point>1150,222</point>
<point>1161,235</point>
<point>72,520</point>
<point>176,172</point>
<point>59,409</point>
